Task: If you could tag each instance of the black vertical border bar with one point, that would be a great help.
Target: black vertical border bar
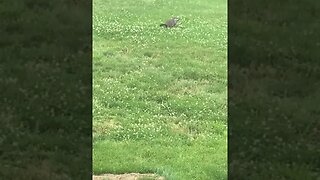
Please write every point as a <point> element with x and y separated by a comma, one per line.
<point>273,89</point>
<point>46,89</point>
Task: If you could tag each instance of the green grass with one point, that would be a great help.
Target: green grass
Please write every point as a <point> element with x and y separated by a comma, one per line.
<point>160,95</point>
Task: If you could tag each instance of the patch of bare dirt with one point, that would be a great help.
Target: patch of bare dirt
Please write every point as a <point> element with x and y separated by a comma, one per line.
<point>130,176</point>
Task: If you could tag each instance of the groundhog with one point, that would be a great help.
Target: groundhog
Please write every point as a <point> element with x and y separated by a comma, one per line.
<point>170,23</point>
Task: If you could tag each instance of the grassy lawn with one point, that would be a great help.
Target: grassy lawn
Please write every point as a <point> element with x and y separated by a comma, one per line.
<point>160,95</point>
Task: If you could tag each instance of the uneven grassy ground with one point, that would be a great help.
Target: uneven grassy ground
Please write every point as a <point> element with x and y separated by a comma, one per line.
<point>159,95</point>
